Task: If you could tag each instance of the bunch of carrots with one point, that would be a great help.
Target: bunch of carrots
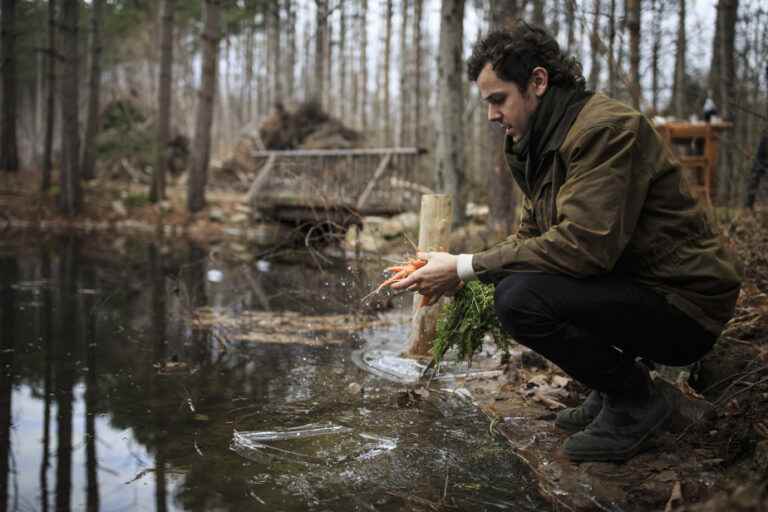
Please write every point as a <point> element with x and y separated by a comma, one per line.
<point>402,271</point>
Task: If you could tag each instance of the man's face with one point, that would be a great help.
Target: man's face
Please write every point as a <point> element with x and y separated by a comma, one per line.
<point>506,104</point>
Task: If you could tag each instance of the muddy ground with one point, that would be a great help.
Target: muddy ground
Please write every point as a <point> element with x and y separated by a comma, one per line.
<point>715,456</point>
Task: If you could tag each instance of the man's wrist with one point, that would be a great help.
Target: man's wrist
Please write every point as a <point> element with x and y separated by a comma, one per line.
<point>464,267</point>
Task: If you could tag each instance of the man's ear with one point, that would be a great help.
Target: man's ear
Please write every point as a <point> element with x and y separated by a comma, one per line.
<point>539,81</point>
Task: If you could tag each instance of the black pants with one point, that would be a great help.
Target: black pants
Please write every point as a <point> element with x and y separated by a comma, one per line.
<point>594,328</point>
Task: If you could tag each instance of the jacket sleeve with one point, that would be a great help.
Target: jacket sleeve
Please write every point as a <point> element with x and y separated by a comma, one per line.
<point>598,206</point>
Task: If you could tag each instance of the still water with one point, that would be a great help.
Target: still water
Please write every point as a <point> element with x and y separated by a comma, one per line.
<point>112,398</point>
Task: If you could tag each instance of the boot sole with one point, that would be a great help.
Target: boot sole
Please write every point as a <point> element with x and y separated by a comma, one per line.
<point>624,455</point>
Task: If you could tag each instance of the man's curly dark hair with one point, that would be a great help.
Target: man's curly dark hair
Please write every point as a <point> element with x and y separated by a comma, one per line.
<point>516,53</point>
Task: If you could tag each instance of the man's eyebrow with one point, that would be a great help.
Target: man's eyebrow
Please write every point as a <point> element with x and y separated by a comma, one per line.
<point>494,96</point>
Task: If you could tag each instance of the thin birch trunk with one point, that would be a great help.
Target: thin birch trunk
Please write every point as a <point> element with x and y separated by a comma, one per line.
<point>714,66</point>
<point>402,135</point>
<point>307,67</point>
<point>289,82</point>
<point>612,49</point>
<point>387,113</point>
<point>274,37</point>
<point>633,27</point>
<point>418,49</point>
<point>330,98</point>
<point>247,88</point>
<point>657,8</point>
<point>594,72</point>
<point>727,177</point>
<point>680,64</point>
<point>364,65</point>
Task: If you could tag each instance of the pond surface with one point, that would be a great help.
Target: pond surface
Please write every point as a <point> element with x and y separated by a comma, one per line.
<point>140,377</point>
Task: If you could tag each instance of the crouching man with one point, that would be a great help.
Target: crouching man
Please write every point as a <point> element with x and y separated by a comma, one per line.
<point>613,260</point>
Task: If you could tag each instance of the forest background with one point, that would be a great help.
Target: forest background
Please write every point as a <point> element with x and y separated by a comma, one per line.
<point>209,71</point>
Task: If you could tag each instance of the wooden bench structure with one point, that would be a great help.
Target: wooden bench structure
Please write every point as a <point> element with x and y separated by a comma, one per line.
<point>696,146</point>
<point>336,185</point>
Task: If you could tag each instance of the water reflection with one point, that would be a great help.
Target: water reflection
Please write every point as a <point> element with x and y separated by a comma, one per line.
<point>111,399</point>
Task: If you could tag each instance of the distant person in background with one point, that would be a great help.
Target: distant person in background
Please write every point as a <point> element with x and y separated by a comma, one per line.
<point>710,110</point>
<point>759,167</point>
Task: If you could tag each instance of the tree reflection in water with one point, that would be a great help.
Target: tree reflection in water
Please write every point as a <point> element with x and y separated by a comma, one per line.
<point>98,340</point>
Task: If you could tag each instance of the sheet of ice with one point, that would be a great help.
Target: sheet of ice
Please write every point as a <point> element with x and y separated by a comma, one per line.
<point>309,430</point>
<point>289,445</point>
<point>389,365</point>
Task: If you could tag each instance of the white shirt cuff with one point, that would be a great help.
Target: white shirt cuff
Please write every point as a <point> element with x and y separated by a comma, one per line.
<point>464,268</point>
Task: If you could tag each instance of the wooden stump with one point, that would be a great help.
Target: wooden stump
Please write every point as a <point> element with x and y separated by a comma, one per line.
<point>434,235</point>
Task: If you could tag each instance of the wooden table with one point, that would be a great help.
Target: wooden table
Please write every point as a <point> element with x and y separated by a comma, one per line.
<point>696,146</point>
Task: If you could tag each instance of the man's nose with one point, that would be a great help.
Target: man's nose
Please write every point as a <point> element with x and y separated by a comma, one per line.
<point>493,113</point>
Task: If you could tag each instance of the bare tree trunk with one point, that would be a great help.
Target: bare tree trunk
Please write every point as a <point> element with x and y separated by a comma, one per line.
<point>157,191</point>
<point>50,101</point>
<point>330,97</point>
<point>289,83</point>
<point>538,13</point>
<point>321,35</point>
<point>201,146</point>
<point>274,45</point>
<point>342,60</point>
<point>9,146</point>
<point>70,191</point>
<point>594,72</point>
<point>307,67</point>
<point>679,87</point>
<point>364,64</point>
<point>402,136</point>
<point>612,49</point>
<point>570,20</point>
<point>728,10</point>
<point>555,25</point>
<point>657,9</point>
<point>501,187</point>
<point>449,152</point>
<point>633,26</point>
<point>246,90</point>
<point>386,109</point>
<point>418,45</point>
<point>714,67</point>
<point>727,14</point>
<point>92,126</point>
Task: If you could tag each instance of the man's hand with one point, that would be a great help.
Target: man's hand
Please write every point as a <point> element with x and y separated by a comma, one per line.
<point>435,279</point>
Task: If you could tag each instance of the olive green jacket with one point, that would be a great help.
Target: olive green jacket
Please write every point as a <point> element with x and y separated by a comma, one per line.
<point>609,197</point>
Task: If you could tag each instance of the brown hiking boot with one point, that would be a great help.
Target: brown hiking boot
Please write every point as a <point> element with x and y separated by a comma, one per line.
<point>621,429</point>
<point>575,419</point>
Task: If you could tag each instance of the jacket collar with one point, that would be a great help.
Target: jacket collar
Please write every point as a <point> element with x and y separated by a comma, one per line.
<point>549,125</point>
